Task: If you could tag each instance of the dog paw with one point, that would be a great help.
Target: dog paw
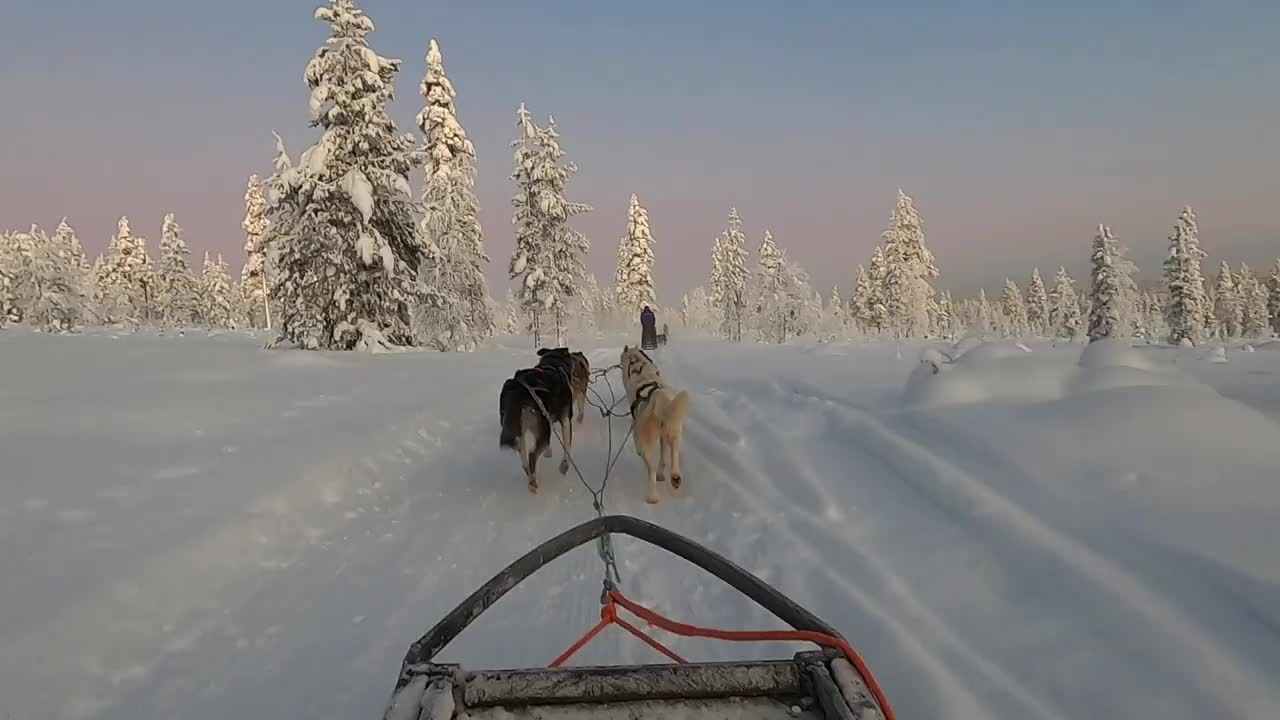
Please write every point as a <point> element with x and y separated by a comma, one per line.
<point>533,486</point>
<point>564,466</point>
<point>676,480</point>
<point>652,499</point>
<point>662,478</point>
<point>547,452</point>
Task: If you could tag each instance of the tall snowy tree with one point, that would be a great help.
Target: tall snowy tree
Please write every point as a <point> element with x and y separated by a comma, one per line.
<point>909,296</point>
<point>1037,304</point>
<point>1112,291</point>
<point>729,277</point>
<point>341,224</point>
<point>768,290</point>
<point>1273,297</point>
<point>985,316</point>
<point>66,282</point>
<point>946,324</point>
<point>634,277</point>
<point>1254,318</point>
<point>1015,309</point>
<point>454,312</point>
<point>126,282</point>
<point>1064,307</point>
<point>1188,306</point>
<point>177,293</point>
<point>215,293</point>
<point>1228,310</point>
<point>255,289</point>
<point>871,307</point>
<point>548,257</point>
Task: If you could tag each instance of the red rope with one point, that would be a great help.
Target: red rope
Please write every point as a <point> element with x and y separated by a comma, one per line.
<point>609,616</point>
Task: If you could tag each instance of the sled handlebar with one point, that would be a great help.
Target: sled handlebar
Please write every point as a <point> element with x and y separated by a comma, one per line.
<point>424,649</point>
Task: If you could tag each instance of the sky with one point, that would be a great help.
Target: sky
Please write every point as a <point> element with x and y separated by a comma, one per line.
<point>1017,127</point>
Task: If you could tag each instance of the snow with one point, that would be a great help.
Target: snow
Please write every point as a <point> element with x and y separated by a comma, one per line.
<point>1075,531</point>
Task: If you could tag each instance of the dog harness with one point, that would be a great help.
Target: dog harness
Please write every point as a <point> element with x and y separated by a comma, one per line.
<point>643,394</point>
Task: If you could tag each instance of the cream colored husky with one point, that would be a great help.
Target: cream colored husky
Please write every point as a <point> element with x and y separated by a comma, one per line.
<point>657,418</point>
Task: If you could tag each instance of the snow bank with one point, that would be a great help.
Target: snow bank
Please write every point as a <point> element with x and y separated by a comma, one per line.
<point>1000,372</point>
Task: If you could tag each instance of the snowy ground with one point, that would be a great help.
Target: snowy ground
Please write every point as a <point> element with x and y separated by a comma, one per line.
<point>198,528</point>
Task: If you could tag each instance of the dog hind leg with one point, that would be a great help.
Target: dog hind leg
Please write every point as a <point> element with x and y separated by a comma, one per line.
<point>646,442</point>
<point>677,449</point>
<point>566,433</point>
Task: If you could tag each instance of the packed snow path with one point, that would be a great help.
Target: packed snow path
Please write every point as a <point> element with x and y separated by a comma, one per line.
<point>194,527</point>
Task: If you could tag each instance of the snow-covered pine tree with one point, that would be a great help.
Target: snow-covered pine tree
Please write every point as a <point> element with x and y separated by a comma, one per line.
<point>341,222</point>
<point>1037,304</point>
<point>177,292</point>
<point>1254,319</point>
<point>801,307</point>
<point>215,292</point>
<point>1112,293</point>
<point>909,296</point>
<point>729,277</point>
<point>59,274</point>
<point>548,257</point>
<point>835,315</point>
<point>633,281</point>
<point>1228,311</point>
<point>1273,297</point>
<point>125,278</point>
<point>871,305</point>
<point>769,304</point>
<point>255,289</point>
<point>1015,309</point>
<point>946,321</point>
<point>454,311</point>
<point>985,319</point>
<point>513,325</point>
<point>1187,306</point>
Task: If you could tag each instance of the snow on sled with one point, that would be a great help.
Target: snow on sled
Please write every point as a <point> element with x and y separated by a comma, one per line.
<point>827,684</point>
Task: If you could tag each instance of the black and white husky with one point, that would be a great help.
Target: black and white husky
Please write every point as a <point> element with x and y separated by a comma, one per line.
<point>555,385</point>
<point>658,413</point>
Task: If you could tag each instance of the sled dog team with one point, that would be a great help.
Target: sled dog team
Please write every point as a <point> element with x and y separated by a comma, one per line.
<point>558,386</point>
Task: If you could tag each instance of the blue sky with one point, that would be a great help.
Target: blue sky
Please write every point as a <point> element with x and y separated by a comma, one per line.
<point>1017,127</point>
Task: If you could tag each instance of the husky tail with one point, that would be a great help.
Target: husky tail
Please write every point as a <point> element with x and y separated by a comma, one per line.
<point>509,410</point>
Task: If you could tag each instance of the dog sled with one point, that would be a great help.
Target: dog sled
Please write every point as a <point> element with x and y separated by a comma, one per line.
<point>829,683</point>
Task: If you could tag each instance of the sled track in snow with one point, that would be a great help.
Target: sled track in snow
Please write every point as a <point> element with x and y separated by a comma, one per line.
<point>1235,687</point>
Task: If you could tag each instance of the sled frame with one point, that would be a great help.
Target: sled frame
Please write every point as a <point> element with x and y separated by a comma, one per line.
<point>758,689</point>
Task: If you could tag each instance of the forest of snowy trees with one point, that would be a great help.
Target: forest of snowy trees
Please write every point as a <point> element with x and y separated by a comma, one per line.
<point>339,252</point>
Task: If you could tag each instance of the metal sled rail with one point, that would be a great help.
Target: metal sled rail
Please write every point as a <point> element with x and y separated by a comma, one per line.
<point>765,689</point>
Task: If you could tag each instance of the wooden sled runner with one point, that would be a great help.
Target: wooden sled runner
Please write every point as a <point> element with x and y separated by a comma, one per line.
<point>832,683</point>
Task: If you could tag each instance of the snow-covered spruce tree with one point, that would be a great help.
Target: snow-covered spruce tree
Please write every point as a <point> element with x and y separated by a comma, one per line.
<point>800,307</point>
<point>1228,312</point>
<point>341,224</point>
<point>126,282</point>
<point>871,307</point>
<point>255,290</point>
<point>1037,304</point>
<point>1187,307</point>
<point>215,293</point>
<point>1273,297</point>
<point>768,304</point>
<point>1064,307</point>
<point>729,277</point>
<point>909,267</point>
<point>59,273</point>
<point>454,311</point>
<point>835,315</point>
<point>945,322</point>
<point>18,257</point>
<point>177,292</point>
<point>548,257</point>
<point>1254,319</point>
<point>984,314</point>
<point>1015,309</point>
<point>633,280</point>
<point>1112,290</point>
